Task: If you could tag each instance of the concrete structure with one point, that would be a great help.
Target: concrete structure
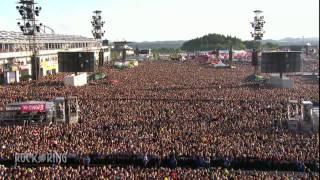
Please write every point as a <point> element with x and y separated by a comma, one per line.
<point>15,54</point>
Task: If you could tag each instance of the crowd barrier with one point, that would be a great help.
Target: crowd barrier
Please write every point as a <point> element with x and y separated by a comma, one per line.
<point>152,161</point>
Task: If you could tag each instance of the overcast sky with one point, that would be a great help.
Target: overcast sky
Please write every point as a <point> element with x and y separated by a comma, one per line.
<point>149,20</point>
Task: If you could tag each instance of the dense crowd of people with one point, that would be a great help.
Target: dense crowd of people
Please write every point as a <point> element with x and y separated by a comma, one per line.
<point>164,108</point>
<point>118,173</point>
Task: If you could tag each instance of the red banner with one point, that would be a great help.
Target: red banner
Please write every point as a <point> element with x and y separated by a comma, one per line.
<point>26,108</point>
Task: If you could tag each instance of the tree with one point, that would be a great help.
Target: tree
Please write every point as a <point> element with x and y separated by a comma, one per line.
<point>249,44</point>
<point>211,42</point>
<point>270,45</point>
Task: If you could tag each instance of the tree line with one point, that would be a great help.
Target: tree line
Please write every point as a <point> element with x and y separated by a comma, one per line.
<point>219,41</point>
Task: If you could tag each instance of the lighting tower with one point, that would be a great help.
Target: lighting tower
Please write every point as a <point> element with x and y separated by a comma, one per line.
<point>97,25</point>
<point>257,35</point>
<point>98,33</point>
<point>29,27</point>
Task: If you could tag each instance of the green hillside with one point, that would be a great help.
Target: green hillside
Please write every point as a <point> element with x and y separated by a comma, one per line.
<point>213,41</point>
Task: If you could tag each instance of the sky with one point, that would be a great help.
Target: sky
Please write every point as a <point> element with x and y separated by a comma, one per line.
<point>159,20</point>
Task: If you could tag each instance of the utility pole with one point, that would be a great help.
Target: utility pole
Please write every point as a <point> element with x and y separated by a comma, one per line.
<point>230,43</point>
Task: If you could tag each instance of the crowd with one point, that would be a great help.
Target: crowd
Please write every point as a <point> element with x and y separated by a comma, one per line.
<point>119,173</point>
<point>163,108</point>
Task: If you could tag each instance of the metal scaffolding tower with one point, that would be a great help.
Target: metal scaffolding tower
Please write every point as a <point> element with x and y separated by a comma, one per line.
<point>97,25</point>
<point>29,27</point>
<point>257,34</point>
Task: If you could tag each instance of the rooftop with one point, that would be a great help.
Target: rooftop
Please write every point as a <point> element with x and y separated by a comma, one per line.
<point>18,36</point>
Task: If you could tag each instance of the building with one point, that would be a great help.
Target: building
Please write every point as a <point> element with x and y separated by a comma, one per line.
<point>15,53</point>
<point>145,54</point>
<point>129,50</point>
